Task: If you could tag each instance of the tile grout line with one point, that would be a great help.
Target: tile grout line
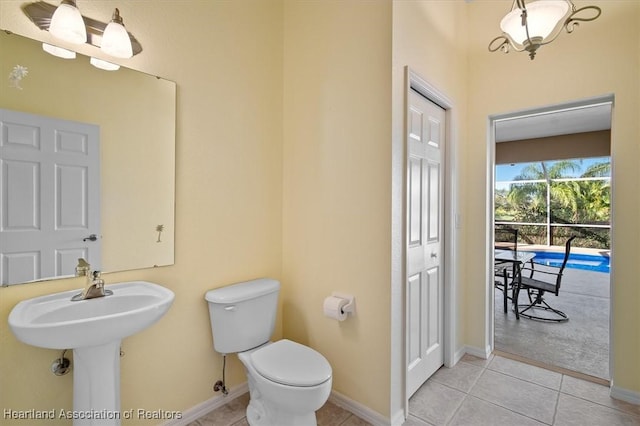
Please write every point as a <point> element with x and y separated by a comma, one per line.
<point>577,376</point>
<point>509,409</point>
<point>526,380</point>
<point>346,419</point>
<point>554,369</point>
<point>467,394</point>
<point>599,404</point>
<point>555,411</point>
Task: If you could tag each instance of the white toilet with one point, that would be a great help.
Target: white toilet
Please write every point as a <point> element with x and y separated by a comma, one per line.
<point>288,381</point>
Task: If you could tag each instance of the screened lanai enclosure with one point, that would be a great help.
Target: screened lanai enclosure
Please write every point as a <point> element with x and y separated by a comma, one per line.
<point>549,201</point>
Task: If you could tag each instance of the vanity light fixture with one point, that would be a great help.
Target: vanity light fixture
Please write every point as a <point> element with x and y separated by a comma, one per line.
<point>104,65</point>
<point>112,38</point>
<point>58,51</point>
<point>115,40</point>
<point>529,26</point>
<point>67,23</point>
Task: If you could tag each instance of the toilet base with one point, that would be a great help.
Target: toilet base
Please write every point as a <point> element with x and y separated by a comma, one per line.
<point>275,404</point>
<point>259,415</point>
<point>262,412</point>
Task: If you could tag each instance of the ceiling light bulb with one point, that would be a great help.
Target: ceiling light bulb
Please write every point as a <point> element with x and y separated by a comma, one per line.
<point>58,51</point>
<point>67,23</point>
<point>104,65</point>
<point>115,40</point>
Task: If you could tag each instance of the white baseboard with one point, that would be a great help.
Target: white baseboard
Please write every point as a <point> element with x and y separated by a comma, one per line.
<point>626,395</point>
<point>197,411</point>
<point>362,411</point>
<point>398,419</point>
<point>480,353</point>
<point>457,356</point>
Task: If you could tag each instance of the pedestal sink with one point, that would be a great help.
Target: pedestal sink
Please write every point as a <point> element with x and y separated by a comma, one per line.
<point>94,329</point>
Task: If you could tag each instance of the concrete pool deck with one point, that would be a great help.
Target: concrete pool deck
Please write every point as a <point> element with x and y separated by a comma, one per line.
<point>581,344</point>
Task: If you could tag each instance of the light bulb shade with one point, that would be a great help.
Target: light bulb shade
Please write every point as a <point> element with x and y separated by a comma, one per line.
<point>58,51</point>
<point>116,41</point>
<point>67,24</point>
<point>543,17</point>
<point>103,65</point>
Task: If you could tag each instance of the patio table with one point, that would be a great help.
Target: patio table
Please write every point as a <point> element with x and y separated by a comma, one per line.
<point>503,259</point>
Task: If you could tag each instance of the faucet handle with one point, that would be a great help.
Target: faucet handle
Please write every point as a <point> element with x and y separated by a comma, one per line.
<point>82,268</point>
<point>96,280</point>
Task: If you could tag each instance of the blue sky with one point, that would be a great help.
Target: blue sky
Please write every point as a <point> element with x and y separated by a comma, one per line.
<point>508,172</point>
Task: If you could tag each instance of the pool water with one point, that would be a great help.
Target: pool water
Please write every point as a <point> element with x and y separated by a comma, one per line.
<point>577,261</point>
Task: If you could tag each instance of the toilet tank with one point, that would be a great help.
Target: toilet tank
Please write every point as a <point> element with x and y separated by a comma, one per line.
<point>243,315</point>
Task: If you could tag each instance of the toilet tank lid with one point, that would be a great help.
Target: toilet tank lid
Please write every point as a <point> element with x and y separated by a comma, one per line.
<point>246,290</point>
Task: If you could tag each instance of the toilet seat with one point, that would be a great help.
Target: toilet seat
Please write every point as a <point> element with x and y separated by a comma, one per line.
<point>290,363</point>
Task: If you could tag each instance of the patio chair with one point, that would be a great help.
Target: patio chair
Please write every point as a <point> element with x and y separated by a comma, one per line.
<point>544,279</point>
<point>505,239</point>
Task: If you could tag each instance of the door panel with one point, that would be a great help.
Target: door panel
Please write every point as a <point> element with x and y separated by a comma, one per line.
<point>49,168</point>
<point>433,233</point>
<point>424,291</point>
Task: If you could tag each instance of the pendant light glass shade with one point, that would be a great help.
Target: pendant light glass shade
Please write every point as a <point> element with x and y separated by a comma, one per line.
<point>543,17</point>
<point>58,51</point>
<point>103,65</point>
<point>115,40</point>
<point>67,23</point>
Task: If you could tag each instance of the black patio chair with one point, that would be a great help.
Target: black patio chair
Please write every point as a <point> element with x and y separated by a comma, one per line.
<point>544,279</point>
<point>505,239</point>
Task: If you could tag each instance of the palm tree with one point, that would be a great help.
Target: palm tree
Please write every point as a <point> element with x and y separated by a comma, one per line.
<point>570,201</point>
<point>597,193</point>
<point>530,199</point>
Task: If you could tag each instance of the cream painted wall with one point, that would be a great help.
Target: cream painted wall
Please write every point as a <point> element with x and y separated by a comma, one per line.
<point>429,37</point>
<point>599,58</point>
<point>226,57</point>
<point>337,198</point>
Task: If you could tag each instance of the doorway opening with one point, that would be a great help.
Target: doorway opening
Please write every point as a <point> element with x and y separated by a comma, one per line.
<point>565,144</point>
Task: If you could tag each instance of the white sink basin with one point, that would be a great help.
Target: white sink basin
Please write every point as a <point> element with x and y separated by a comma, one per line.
<point>55,322</point>
<point>94,329</point>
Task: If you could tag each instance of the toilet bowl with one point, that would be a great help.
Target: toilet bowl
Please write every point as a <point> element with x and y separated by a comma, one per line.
<point>288,381</point>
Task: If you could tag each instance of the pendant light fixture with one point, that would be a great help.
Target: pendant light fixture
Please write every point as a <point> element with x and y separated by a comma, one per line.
<point>529,26</point>
<point>115,40</point>
<point>67,23</point>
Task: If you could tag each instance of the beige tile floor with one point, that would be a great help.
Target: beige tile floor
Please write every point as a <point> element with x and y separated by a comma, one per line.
<point>500,391</point>
<point>477,392</point>
<point>233,414</point>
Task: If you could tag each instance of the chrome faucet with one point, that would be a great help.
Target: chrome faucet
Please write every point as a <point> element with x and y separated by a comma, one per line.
<point>94,286</point>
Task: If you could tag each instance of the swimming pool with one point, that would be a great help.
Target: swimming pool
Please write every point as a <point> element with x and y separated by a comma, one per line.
<point>577,261</point>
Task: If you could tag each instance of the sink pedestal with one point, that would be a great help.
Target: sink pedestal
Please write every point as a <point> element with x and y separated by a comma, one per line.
<point>96,385</point>
<point>94,329</point>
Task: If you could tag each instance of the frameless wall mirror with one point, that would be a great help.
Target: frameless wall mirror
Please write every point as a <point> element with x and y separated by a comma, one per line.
<point>87,165</point>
